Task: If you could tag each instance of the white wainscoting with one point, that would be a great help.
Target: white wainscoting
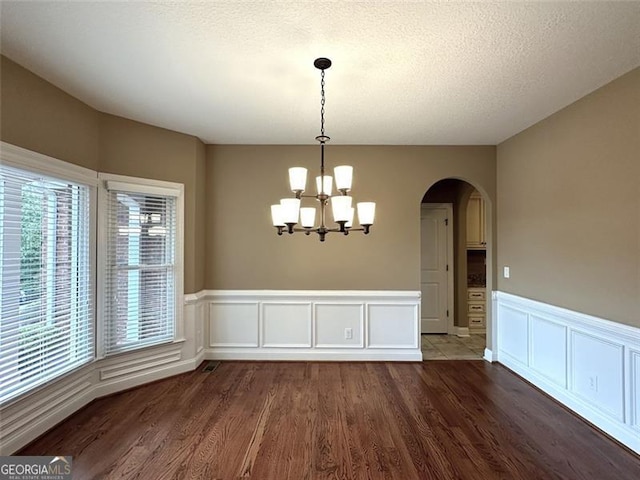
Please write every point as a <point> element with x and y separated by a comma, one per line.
<point>589,364</point>
<point>313,325</point>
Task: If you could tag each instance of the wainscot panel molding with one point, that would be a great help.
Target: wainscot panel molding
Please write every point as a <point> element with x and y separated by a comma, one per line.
<point>331,318</point>
<point>312,325</point>
<point>634,405</point>
<point>29,416</point>
<point>589,364</point>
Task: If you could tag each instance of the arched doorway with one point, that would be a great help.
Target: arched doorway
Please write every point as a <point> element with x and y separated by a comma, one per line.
<point>467,332</point>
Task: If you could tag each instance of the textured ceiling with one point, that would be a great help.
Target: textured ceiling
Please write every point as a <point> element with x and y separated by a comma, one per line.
<point>403,73</point>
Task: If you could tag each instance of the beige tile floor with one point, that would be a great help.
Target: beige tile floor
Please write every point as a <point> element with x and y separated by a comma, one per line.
<point>451,347</point>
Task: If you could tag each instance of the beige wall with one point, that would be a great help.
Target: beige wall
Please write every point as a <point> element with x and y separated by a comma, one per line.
<point>139,150</point>
<point>200,217</point>
<point>40,117</point>
<point>569,205</point>
<point>244,252</point>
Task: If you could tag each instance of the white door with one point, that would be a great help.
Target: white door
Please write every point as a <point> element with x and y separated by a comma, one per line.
<point>436,266</point>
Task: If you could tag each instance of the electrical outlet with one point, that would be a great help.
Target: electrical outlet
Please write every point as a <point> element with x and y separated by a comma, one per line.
<point>506,272</point>
<point>348,333</point>
<point>593,383</point>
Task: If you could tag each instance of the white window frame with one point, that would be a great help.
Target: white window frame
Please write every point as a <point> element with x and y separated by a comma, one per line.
<point>21,158</point>
<point>149,187</point>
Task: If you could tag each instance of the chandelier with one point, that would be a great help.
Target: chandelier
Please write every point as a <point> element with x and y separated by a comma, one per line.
<point>288,212</point>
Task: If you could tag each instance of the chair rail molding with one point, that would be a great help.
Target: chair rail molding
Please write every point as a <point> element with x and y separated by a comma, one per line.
<point>589,364</point>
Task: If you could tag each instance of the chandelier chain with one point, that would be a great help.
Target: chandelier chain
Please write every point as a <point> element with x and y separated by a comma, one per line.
<point>322,103</point>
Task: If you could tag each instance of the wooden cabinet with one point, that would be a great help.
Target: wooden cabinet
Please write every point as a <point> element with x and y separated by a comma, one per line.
<point>476,308</point>
<point>476,222</point>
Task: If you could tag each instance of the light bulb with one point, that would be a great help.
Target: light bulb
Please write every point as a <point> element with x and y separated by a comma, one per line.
<point>290,209</point>
<point>276,215</point>
<point>341,206</point>
<point>298,179</point>
<point>344,177</point>
<point>366,212</point>
<point>324,188</point>
<point>308,217</point>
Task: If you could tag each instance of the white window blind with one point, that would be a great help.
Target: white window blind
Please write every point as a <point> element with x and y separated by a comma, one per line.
<point>140,272</point>
<point>46,279</point>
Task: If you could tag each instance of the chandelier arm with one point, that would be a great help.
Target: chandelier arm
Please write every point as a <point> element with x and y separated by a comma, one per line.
<point>326,230</point>
<point>322,231</point>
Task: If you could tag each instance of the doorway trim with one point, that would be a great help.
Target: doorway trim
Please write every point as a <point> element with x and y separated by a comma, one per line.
<point>451,328</point>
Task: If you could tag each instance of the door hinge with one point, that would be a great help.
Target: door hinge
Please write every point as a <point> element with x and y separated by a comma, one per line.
<point>446,221</point>
<point>447,313</point>
<point>447,267</point>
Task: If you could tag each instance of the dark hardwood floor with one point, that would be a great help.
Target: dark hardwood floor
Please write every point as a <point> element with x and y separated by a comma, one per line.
<point>275,421</point>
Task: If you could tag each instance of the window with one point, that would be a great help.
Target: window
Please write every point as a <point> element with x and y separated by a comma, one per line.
<point>46,278</point>
<point>48,244</point>
<point>142,264</point>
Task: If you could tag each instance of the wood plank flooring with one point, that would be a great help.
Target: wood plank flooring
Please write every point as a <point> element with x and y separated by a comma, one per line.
<point>275,421</point>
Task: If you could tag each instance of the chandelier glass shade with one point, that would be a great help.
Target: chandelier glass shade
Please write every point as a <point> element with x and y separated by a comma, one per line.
<point>289,213</point>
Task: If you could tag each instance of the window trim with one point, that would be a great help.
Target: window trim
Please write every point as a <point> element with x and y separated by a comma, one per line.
<point>19,157</point>
<point>108,181</point>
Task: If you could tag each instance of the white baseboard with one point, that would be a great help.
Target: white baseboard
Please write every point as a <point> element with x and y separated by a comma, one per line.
<point>24,421</point>
<point>462,332</point>
<point>490,356</point>
<point>316,355</point>
<point>589,364</point>
<point>200,357</point>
